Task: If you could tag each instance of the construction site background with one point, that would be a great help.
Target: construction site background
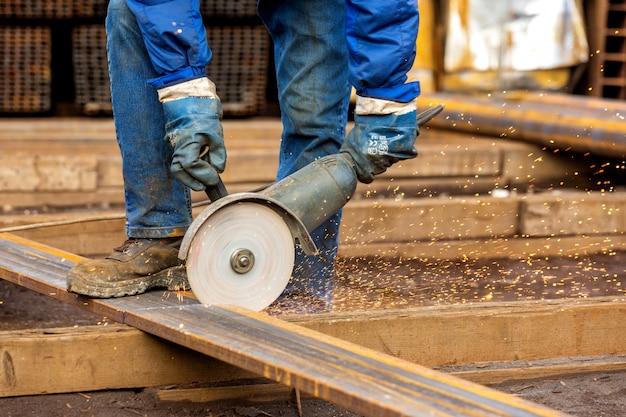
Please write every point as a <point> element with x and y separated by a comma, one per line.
<point>54,52</point>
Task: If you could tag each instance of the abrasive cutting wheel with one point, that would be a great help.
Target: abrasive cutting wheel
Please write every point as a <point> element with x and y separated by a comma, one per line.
<point>242,254</point>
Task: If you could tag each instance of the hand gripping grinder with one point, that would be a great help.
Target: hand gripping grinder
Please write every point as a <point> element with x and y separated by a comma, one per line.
<point>240,250</point>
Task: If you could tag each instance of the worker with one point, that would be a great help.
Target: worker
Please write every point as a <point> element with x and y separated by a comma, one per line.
<point>167,117</point>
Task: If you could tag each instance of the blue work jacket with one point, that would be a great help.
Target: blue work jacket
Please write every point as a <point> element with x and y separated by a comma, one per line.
<point>380,34</point>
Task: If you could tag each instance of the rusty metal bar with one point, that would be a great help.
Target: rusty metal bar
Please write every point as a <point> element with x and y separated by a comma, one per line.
<point>356,378</point>
<point>557,121</point>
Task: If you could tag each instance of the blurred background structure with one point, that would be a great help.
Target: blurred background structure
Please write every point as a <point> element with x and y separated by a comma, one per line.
<point>54,57</point>
<point>54,52</point>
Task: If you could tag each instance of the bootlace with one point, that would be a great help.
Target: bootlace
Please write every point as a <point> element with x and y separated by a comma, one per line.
<point>124,246</point>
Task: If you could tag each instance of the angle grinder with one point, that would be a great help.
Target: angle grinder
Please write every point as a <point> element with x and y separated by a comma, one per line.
<point>240,250</point>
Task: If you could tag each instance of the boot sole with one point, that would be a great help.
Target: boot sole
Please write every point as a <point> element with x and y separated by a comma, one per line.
<point>173,279</point>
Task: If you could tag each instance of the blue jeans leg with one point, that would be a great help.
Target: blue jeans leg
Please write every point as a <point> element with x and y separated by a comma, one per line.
<point>313,90</point>
<point>157,205</point>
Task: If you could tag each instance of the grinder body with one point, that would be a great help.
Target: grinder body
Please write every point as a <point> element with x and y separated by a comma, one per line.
<point>317,191</point>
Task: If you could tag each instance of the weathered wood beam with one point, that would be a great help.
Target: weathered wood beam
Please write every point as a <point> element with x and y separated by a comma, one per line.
<point>514,247</point>
<point>91,358</point>
<point>95,358</point>
<point>497,372</point>
<point>445,227</point>
<point>76,162</point>
<point>486,374</point>
<point>485,332</point>
<point>250,392</point>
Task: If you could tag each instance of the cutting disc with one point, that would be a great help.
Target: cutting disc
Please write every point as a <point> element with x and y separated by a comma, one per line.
<point>243,254</point>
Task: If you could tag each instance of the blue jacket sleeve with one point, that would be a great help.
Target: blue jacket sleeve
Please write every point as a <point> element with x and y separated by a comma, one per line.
<point>175,37</point>
<point>381,39</point>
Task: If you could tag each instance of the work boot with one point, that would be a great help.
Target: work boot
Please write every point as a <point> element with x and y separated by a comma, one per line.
<point>133,268</point>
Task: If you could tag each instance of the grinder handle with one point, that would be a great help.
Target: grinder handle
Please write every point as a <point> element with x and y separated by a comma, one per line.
<point>427,115</point>
<point>218,190</point>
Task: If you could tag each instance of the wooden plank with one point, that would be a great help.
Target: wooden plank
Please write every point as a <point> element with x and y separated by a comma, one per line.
<point>484,373</point>
<point>84,233</point>
<point>91,358</point>
<point>447,156</point>
<point>485,376</point>
<point>444,227</point>
<point>474,157</point>
<point>356,378</point>
<point>371,221</point>
<point>48,173</point>
<point>253,393</point>
<point>411,220</point>
<point>262,131</point>
<point>573,213</point>
<point>99,357</point>
<point>514,247</point>
<point>33,200</point>
<point>485,332</point>
<point>497,373</point>
<point>53,361</point>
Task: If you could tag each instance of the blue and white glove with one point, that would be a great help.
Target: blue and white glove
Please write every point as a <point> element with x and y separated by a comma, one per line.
<point>193,114</point>
<point>384,133</point>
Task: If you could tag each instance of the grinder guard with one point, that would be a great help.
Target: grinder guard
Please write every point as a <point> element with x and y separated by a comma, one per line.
<point>297,228</point>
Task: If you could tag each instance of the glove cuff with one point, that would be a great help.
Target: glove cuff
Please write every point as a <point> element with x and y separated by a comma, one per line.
<point>197,87</point>
<point>368,105</point>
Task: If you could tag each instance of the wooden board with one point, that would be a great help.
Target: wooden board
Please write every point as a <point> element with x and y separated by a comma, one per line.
<point>92,358</point>
<point>254,393</point>
<point>498,372</point>
<point>356,378</point>
<point>472,227</point>
<point>76,162</point>
<point>469,333</point>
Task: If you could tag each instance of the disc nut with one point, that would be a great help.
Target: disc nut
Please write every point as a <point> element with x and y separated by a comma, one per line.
<point>242,261</point>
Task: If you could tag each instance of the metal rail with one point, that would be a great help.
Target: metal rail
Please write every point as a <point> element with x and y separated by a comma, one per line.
<point>356,378</point>
<point>558,121</point>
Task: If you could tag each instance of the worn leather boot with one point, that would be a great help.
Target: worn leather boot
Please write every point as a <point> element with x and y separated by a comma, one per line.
<point>133,268</point>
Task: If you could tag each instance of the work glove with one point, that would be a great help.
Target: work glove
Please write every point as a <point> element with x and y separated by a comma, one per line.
<point>193,114</point>
<point>384,133</point>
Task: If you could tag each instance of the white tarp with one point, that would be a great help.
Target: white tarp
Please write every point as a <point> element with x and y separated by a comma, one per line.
<point>515,35</point>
